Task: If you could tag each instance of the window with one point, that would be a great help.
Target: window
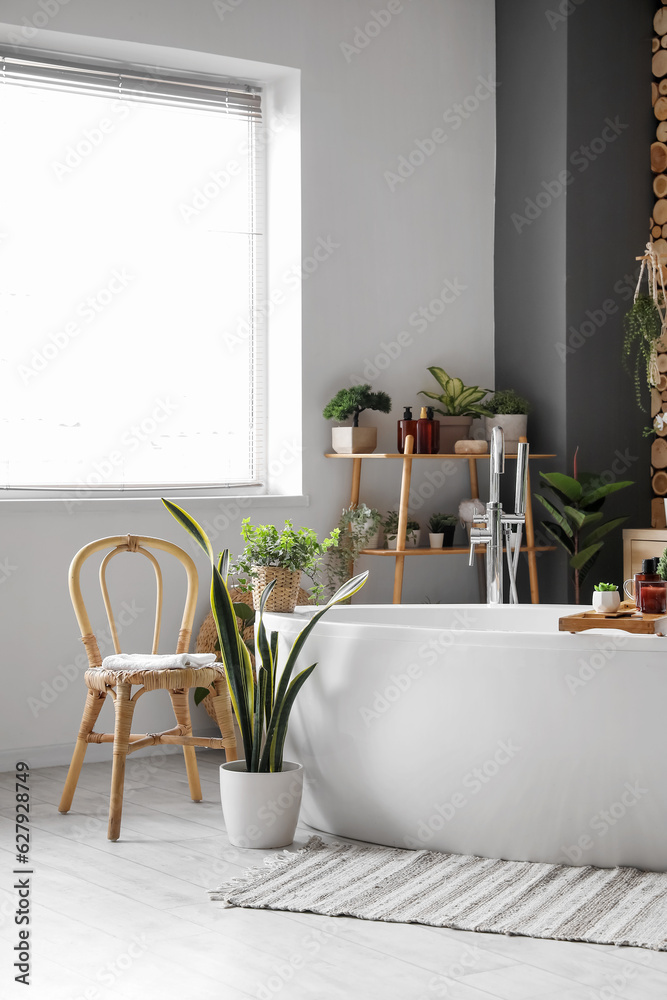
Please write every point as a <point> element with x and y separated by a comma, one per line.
<point>131,248</point>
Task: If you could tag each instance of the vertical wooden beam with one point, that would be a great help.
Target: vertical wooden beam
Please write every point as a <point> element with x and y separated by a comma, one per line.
<point>530,540</point>
<point>403,518</point>
<point>356,482</point>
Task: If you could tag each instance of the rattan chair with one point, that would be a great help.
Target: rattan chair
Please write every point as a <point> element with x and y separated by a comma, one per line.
<point>118,684</point>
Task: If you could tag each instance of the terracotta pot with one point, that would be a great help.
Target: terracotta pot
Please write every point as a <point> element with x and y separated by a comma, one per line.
<point>453,429</point>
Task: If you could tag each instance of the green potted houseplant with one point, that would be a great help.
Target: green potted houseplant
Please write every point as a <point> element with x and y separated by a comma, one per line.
<point>509,411</point>
<point>358,528</point>
<point>574,503</point>
<point>262,705</point>
<point>441,528</point>
<point>280,555</point>
<point>606,598</point>
<point>459,404</point>
<point>390,528</point>
<point>352,402</point>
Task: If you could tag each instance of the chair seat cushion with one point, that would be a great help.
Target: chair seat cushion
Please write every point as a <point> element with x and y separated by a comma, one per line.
<point>138,662</point>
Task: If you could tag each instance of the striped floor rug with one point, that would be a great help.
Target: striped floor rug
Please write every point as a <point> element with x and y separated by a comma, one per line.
<point>621,906</point>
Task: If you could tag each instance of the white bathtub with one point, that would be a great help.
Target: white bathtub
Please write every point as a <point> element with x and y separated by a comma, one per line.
<point>483,730</point>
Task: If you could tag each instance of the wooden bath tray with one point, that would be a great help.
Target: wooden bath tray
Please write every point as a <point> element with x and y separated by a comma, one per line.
<point>626,618</point>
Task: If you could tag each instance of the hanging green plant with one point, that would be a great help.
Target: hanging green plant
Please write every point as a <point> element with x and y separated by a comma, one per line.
<point>643,326</point>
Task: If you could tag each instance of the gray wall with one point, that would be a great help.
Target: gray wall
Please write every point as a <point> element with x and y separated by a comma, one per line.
<point>565,253</point>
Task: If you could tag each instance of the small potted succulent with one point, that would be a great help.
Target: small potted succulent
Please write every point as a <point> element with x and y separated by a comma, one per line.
<point>280,555</point>
<point>510,411</point>
<point>390,528</point>
<point>606,598</point>
<point>441,528</point>
<point>459,405</point>
<point>355,440</point>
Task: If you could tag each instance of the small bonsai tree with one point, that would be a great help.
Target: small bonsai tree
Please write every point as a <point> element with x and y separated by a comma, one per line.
<point>353,401</point>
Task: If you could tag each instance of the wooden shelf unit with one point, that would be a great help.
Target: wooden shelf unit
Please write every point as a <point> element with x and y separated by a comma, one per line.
<point>400,552</point>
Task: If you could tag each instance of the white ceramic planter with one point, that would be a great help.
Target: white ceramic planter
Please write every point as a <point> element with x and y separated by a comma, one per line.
<point>260,810</point>
<point>606,601</point>
<point>354,440</point>
<point>514,426</point>
<point>411,540</point>
<point>436,539</point>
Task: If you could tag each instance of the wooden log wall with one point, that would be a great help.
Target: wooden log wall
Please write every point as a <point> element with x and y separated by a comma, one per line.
<point>659,237</point>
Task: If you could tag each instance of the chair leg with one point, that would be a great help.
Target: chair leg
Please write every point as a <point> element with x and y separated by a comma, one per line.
<point>92,709</point>
<point>179,700</point>
<point>222,706</point>
<point>124,711</point>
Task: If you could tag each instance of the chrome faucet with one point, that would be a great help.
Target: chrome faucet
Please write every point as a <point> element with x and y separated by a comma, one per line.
<point>496,527</point>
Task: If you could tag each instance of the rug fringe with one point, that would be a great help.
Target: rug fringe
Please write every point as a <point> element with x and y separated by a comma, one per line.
<point>279,860</point>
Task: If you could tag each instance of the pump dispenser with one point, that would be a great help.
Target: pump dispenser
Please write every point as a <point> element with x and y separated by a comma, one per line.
<point>404,427</point>
<point>424,433</point>
<point>436,431</point>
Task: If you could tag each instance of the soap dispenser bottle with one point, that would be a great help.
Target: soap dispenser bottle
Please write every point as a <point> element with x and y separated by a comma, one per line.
<point>404,427</point>
<point>424,433</point>
<point>435,450</point>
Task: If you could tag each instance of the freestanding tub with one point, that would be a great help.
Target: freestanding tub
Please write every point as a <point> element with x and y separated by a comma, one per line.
<point>483,730</point>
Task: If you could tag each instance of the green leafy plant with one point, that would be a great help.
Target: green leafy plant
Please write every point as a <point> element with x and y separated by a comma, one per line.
<point>604,587</point>
<point>246,619</point>
<point>507,401</point>
<point>457,399</point>
<point>357,526</point>
<point>390,523</point>
<point>642,326</point>
<point>262,706</point>
<point>575,506</point>
<point>662,565</point>
<point>438,523</point>
<point>351,402</point>
<point>295,549</point>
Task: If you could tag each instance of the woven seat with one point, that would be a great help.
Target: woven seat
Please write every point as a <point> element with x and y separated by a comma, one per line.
<point>116,681</point>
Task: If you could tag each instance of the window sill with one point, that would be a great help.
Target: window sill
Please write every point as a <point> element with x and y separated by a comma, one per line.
<point>139,504</point>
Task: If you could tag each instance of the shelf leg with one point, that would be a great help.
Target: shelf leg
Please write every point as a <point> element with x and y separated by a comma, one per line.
<point>356,482</point>
<point>479,562</point>
<point>403,517</point>
<point>530,542</point>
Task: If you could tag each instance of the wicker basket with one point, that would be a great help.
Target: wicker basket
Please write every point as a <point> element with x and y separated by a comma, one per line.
<point>284,595</point>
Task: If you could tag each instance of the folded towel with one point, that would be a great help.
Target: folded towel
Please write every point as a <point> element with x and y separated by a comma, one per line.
<point>155,661</point>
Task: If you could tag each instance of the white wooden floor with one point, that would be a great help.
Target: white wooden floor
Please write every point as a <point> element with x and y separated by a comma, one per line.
<point>132,920</point>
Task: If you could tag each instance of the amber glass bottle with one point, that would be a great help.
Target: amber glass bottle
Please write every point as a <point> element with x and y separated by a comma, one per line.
<point>404,427</point>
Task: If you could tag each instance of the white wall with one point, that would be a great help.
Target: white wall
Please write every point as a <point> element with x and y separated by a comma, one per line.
<point>398,248</point>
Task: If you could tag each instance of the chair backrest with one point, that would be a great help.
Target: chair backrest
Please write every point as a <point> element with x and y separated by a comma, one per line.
<point>137,544</point>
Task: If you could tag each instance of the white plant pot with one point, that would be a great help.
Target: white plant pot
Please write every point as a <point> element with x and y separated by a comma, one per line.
<point>411,540</point>
<point>354,440</point>
<point>606,601</point>
<point>436,540</point>
<point>514,426</point>
<point>260,809</point>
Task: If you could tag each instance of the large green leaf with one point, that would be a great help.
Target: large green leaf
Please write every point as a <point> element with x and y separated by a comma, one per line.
<point>441,376</point>
<point>244,611</point>
<point>275,762</point>
<point>604,491</point>
<point>190,526</point>
<point>581,518</point>
<point>566,485</point>
<point>431,395</point>
<point>559,535</point>
<point>556,514</point>
<point>604,529</point>
<point>263,647</point>
<point>260,696</point>
<point>581,558</point>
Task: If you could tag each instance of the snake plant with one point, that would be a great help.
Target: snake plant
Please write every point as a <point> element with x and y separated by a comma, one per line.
<point>261,706</point>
